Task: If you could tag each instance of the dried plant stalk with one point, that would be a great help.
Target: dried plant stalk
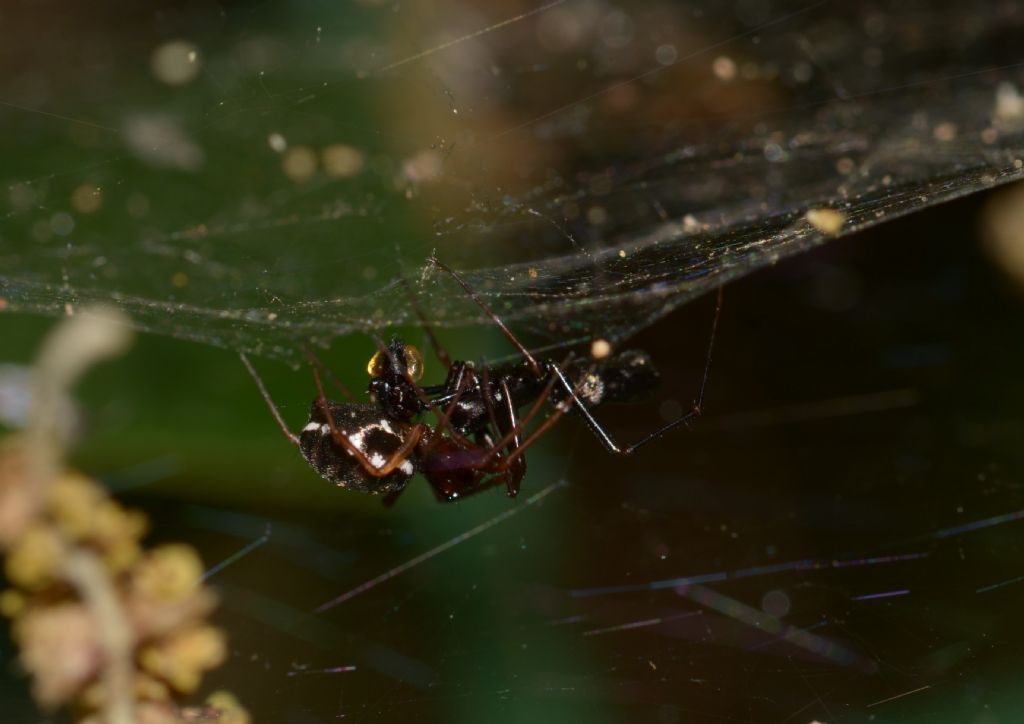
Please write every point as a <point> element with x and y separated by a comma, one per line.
<point>114,631</point>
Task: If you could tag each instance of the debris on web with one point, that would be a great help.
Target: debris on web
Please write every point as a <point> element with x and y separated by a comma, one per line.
<point>583,200</point>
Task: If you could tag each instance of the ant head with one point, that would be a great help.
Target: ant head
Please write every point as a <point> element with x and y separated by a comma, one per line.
<point>394,372</point>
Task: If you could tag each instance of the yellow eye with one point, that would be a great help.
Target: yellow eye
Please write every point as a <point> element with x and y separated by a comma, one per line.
<point>413,363</point>
<point>375,367</point>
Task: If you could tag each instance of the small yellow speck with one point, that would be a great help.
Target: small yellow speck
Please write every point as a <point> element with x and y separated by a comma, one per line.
<point>600,348</point>
<point>827,221</point>
<point>179,279</point>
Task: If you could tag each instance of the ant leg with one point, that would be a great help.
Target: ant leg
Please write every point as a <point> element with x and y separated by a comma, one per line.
<point>488,398</point>
<point>563,407</point>
<point>292,437</point>
<point>560,410</point>
<point>698,404</point>
<point>534,365</point>
<point>518,472</point>
<point>445,420</point>
<point>512,478</point>
<point>602,435</point>
<point>525,420</point>
<point>398,457</point>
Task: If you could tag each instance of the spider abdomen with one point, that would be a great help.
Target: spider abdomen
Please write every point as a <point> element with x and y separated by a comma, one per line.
<point>375,435</point>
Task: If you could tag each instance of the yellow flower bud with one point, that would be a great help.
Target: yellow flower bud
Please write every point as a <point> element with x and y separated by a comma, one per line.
<point>35,559</point>
<point>182,659</point>
<point>12,603</point>
<point>72,500</point>
<point>169,573</point>
<point>228,709</point>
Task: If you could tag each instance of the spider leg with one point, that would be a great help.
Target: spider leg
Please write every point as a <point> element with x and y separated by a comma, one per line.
<point>534,365</point>
<point>338,384</point>
<point>398,457</point>
<point>292,437</point>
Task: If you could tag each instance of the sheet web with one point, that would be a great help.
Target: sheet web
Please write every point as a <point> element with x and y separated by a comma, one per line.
<point>614,163</point>
<point>283,173</point>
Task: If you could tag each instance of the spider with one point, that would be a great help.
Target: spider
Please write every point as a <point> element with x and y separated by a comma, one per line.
<point>477,440</point>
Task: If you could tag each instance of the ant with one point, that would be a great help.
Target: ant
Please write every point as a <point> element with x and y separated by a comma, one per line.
<point>478,440</point>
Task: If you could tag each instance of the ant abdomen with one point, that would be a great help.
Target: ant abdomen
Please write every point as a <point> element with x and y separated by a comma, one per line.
<point>629,376</point>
